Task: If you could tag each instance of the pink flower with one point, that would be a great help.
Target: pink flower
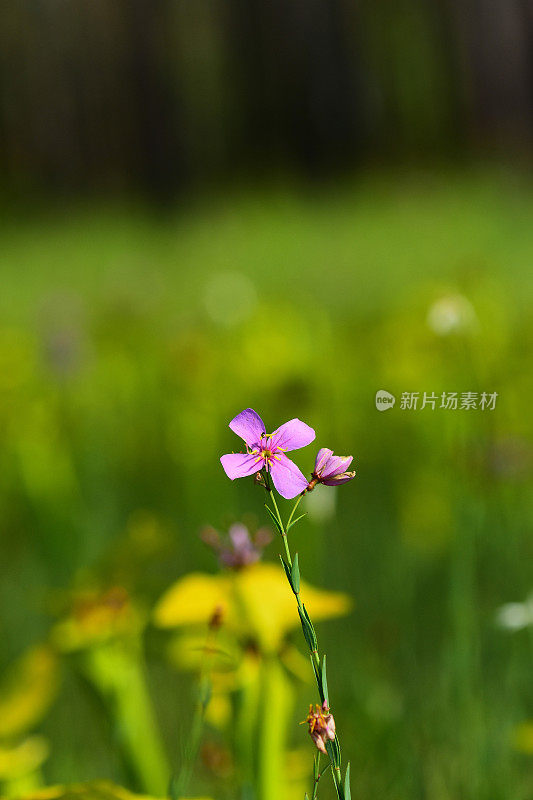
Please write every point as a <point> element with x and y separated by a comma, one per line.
<point>321,725</point>
<point>267,451</point>
<point>238,549</point>
<point>331,470</point>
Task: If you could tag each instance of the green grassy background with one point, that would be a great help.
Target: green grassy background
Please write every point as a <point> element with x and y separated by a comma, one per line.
<point>129,340</point>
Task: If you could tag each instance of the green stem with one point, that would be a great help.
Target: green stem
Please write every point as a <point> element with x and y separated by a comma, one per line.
<point>283,529</point>
<point>247,723</point>
<point>314,653</point>
<point>297,503</point>
<point>316,776</point>
<point>275,694</point>
<point>117,670</point>
<point>180,785</point>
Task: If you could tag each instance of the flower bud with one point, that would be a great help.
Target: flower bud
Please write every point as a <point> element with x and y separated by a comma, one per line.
<point>321,725</point>
<point>331,470</point>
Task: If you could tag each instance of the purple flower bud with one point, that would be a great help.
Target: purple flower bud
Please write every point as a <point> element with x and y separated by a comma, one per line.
<point>331,470</point>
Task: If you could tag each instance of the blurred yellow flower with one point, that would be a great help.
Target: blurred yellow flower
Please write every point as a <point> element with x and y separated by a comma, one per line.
<point>523,737</point>
<point>296,772</point>
<point>255,603</point>
<point>23,758</point>
<point>192,600</point>
<point>27,691</point>
<point>97,617</point>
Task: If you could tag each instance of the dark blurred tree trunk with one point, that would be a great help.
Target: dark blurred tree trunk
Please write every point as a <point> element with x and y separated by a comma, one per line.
<point>90,98</point>
<point>149,95</point>
<point>296,80</point>
<point>496,39</point>
<point>325,119</point>
<point>156,107</point>
<point>410,58</point>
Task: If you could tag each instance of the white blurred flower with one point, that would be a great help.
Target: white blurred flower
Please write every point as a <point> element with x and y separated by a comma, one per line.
<point>451,314</point>
<point>515,616</point>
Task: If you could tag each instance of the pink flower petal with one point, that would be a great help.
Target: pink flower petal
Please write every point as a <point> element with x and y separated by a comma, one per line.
<point>335,465</point>
<point>239,465</point>
<point>249,426</point>
<point>292,435</point>
<point>288,479</point>
<point>330,727</point>
<point>318,739</point>
<point>239,535</point>
<point>322,457</point>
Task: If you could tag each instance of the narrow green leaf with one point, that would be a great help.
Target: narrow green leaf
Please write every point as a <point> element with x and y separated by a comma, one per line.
<point>339,790</point>
<point>295,575</point>
<point>204,693</point>
<point>316,766</point>
<point>294,521</point>
<point>274,518</point>
<point>338,749</point>
<point>334,751</point>
<point>287,570</point>
<point>308,632</point>
<point>324,681</point>
<point>317,674</point>
<point>347,790</point>
<point>311,629</point>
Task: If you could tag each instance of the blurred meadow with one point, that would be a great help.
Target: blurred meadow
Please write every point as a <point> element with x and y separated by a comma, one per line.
<point>139,316</point>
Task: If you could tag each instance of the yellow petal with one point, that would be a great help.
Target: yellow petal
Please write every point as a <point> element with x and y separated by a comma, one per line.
<point>270,607</point>
<point>27,691</point>
<point>193,599</point>
<point>24,758</point>
<point>192,650</point>
<point>219,711</point>
<point>256,602</point>
<point>296,663</point>
<point>523,737</point>
<point>97,616</point>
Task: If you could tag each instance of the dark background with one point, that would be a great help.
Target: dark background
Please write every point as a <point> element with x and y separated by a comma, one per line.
<point>158,96</point>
